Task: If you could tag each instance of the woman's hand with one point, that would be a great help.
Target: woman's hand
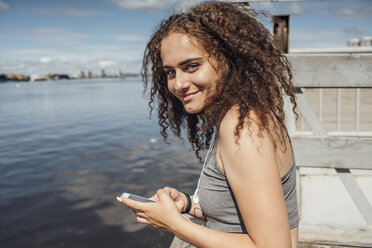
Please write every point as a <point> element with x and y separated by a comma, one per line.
<point>161,214</point>
<point>178,198</point>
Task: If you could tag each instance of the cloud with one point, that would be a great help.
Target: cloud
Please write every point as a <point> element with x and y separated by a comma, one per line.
<point>55,33</point>
<point>266,7</point>
<point>186,4</point>
<point>79,42</point>
<point>3,5</point>
<point>145,5</point>
<point>68,59</point>
<point>318,38</point>
<point>297,10</point>
<point>128,37</point>
<point>81,12</point>
<point>58,36</point>
<point>106,63</point>
<point>46,34</point>
<point>343,12</point>
<point>79,52</point>
<point>70,11</point>
<point>45,60</point>
<point>25,52</point>
<point>355,30</point>
<point>33,66</point>
<point>351,9</point>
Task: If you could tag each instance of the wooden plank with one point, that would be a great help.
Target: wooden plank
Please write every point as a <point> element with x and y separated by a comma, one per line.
<point>335,236</point>
<point>331,50</point>
<point>290,118</point>
<point>309,115</point>
<point>356,194</point>
<point>333,152</point>
<point>281,32</point>
<point>332,70</point>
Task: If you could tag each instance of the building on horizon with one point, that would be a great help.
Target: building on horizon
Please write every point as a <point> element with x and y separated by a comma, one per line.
<point>81,74</point>
<point>360,42</point>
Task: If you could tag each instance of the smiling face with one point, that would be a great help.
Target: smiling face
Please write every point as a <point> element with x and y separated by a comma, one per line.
<point>190,75</point>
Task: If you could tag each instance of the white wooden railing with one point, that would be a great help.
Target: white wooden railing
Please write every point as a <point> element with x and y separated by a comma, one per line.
<point>324,76</point>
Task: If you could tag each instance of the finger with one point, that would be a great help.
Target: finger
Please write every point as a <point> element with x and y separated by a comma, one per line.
<point>176,195</point>
<point>141,214</point>
<point>137,211</point>
<point>163,196</point>
<point>154,198</point>
<point>160,192</point>
<point>133,204</point>
<point>172,193</point>
<point>142,220</point>
<point>168,190</point>
<point>134,210</point>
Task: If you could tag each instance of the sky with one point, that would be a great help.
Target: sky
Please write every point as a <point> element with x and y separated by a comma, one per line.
<point>54,36</point>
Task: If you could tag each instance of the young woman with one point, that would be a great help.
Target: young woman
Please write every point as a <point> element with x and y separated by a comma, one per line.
<point>215,73</point>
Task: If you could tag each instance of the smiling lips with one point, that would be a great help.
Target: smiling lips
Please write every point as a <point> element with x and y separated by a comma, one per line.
<point>187,97</point>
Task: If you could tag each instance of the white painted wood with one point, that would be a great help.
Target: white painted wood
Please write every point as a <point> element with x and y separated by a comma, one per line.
<point>330,50</point>
<point>309,115</point>
<point>326,201</point>
<point>337,133</point>
<point>351,133</point>
<point>332,70</point>
<point>320,104</point>
<point>357,109</point>
<point>302,122</point>
<point>299,191</point>
<point>336,235</point>
<point>290,118</point>
<point>338,109</point>
<point>333,152</point>
<point>356,194</point>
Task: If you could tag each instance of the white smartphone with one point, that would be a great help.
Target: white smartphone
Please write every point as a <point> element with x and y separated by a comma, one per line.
<point>136,197</point>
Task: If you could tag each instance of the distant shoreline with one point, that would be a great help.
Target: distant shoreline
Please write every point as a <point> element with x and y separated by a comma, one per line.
<point>20,78</point>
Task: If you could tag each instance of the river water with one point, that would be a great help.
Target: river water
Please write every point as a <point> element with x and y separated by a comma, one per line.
<point>67,149</point>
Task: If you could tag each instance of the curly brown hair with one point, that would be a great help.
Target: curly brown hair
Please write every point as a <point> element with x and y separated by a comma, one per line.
<point>254,74</point>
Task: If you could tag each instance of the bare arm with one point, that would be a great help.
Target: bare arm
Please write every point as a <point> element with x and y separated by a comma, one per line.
<point>252,171</point>
<point>251,167</point>
<point>164,214</point>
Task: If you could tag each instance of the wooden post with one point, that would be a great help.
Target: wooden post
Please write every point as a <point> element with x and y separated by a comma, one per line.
<point>281,32</point>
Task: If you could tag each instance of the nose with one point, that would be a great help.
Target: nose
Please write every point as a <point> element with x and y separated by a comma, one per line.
<point>182,82</point>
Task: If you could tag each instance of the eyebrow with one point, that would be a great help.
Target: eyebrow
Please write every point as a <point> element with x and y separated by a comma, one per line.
<point>183,62</point>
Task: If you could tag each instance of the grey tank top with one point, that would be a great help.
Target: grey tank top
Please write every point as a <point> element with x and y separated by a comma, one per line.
<point>218,203</point>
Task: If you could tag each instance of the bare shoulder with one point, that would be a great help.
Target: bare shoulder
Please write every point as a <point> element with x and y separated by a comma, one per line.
<point>250,134</point>
<point>251,168</point>
<point>252,144</point>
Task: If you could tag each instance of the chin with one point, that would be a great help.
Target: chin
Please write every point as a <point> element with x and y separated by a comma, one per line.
<point>193,110</point>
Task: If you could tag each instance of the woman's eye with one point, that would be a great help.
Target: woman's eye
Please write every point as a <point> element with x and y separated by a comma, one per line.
<point>192,66</point>
<point>170,72</point>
